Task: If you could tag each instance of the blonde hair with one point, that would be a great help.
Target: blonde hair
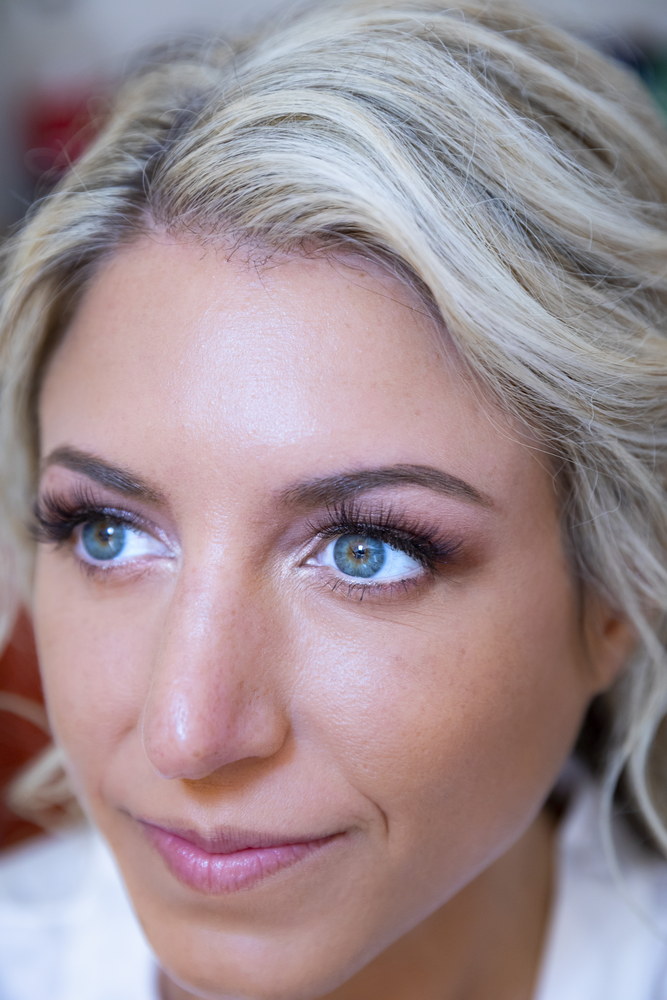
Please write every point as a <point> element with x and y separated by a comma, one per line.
<point>512,175</point>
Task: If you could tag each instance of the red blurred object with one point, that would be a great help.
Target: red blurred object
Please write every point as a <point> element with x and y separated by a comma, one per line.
<point>19,739</point>
<point>57,128</point>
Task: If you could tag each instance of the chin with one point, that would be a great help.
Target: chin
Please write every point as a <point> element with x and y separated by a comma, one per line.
<point>288,973</point>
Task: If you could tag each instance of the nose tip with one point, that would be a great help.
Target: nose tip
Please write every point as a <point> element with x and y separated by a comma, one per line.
<point>215,691</point>
<point>191,736</point>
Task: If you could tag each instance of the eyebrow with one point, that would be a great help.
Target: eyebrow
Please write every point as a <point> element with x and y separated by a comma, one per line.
<point>112,476</point>
<point>312,493</point>
<point>334,489</point>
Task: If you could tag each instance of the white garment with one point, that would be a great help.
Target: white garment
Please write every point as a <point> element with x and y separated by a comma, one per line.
<point>608,933</point>
<point>67,931</point>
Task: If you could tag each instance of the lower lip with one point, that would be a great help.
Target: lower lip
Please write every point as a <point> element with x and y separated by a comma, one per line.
<point>217,874</point>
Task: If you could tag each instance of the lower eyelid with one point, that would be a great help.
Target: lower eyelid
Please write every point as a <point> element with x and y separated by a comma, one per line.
<point>351,590</point>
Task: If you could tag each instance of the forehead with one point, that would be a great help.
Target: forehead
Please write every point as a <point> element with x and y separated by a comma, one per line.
<point>180,350</point>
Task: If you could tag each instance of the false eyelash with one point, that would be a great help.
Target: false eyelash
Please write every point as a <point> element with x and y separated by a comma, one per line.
<point>387,524</point>
<point>54,519</point>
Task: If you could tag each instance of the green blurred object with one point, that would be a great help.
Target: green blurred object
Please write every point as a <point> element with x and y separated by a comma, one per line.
<point>656,78</point>
<point>649,63</point>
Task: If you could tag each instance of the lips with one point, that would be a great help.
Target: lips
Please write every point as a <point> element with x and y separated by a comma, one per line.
<point>230,860</point>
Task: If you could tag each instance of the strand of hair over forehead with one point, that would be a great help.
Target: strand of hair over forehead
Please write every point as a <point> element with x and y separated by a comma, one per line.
<point>474,153</point>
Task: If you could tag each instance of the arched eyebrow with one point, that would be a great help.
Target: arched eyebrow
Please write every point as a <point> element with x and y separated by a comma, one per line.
<point>317,492</point>
<point>114,477</point>
<point>342,486</point>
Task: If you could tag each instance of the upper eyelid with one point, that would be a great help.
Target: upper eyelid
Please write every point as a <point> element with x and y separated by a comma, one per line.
<point>68,484</point>
<point>45,509</point>
<point>57,516</point>
<point>419,540</point>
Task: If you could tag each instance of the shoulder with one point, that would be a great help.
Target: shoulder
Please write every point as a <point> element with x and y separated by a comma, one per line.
<point>608,935</point>
<point>66,928</point>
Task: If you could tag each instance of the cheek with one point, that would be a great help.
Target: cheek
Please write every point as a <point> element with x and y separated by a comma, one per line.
<point>461,718</point>
<point>93,657</point>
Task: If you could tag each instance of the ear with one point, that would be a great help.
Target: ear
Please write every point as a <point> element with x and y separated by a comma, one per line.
<point>610,642</point>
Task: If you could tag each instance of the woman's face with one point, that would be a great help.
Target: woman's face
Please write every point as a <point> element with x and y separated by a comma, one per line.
<point>308,636</point>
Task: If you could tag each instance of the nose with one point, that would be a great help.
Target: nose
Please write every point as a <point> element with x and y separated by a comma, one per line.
<point>215,689</point>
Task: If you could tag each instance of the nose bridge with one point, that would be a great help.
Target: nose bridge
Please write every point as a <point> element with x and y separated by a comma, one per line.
<point>214,697</point>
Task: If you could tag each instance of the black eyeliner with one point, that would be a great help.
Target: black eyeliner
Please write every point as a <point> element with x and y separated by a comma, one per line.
<point>54,519</point>
<point>388,524</point>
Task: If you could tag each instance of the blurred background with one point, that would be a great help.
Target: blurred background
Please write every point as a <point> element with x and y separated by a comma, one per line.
<point>58,58</point>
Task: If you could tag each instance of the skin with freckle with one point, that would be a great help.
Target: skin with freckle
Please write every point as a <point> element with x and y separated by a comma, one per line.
<point>236,682</point>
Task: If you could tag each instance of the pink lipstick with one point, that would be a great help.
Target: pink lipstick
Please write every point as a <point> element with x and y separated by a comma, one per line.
<point>229,861</point>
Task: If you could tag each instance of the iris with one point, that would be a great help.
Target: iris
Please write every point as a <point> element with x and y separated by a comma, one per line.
<point>359,555</point>
<point>103,539</point>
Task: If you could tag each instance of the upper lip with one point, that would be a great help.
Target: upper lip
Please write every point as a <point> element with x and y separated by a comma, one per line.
<point>229,840</point>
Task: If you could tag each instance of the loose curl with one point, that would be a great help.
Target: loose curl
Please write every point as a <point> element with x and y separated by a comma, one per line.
<point>513,176</point>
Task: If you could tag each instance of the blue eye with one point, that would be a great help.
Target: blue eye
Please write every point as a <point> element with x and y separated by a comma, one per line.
<point>356,555</point>
<point>103,540</point>
<point>364,558</point>
<point>109,540</point>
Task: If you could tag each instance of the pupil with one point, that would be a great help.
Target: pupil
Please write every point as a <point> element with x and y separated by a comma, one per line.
<point>358,555</point>
<point>103,539</point>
